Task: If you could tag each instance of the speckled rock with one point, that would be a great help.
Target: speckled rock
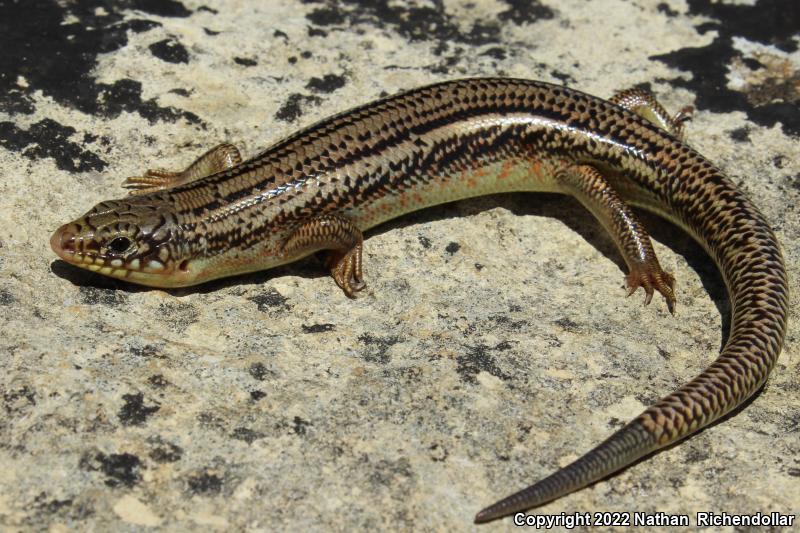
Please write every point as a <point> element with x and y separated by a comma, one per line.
<point>494,343</point>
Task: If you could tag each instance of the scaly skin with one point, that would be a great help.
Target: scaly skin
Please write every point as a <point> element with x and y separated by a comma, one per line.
<point>320,188</point>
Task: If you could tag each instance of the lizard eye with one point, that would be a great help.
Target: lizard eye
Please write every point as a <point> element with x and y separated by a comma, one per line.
<point>119,245</point>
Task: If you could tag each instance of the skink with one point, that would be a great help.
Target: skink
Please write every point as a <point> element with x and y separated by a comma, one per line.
<point>320,188</point>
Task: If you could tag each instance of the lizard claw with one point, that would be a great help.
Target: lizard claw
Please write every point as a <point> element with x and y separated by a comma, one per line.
<point>651,281</point>
<point>346,270</point>
<point>152,180</point>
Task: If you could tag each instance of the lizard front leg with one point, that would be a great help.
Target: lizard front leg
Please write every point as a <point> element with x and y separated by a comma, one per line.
<point>335,233</point>
<point>219,158</point>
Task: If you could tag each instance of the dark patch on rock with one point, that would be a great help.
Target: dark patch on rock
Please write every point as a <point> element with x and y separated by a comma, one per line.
<point>120,469</point>
<point>211,33</point>
<point>752,63</point>
<point>508,324</point>
<point>257,395</point>
<point>165,8</point>
<point>523,431</point>
<point>479,359</point>
<point>210,420</point>
<point>740,134</point>
<point>178,315</point>
<point>664,353</point>
<point>300,426</point>
<point>448,63</point>
<point>417,22</point>
<point>563,77</point>
<point>410,374</point>
<point>247,435</point>
<point>794,181</point>
<point>245,62</point>
<point>291,108</point>
<point>567,324</point>
<point>316,32</point>
<point>380,347</point>
<point>48,138</point>
<point>668,11</point>
<point>126,95</point>
<point>318,328</point>
<point>696,455</point>
<point>135,412</point>
<point>259,371</point>
<point>452,248</point>
<point>525,11</point>
<point>389,473</point>
<point>180,92</point>
<point>158,381</point>
<point>772,22</point>
<point>6,298</point>
<point>438,453</point>
<point>281,35</point>
<point>496,52</point>
<point>270,299</point>
<point>205,483</point>
<point>162,451</point>
<point>208,9</point>
<point>147,351</point>
<point>18,399</point>
<point>483,32</point>
<point>59,58</point>
<point>326,84</point>
<point>44,504</point>
<point>779,161</point>
<point>326,16</point>
<point>97,295</point>
<point>170,50</point>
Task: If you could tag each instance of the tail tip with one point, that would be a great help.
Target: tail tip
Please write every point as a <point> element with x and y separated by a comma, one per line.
<point>487,515</point>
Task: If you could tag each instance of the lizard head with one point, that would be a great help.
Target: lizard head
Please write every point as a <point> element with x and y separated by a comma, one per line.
<point>130,239</point>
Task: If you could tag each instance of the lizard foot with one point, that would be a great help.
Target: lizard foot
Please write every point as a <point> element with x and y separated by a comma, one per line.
<point>651,281</point>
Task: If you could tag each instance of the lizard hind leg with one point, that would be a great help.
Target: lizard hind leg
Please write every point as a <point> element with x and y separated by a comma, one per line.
<point>219,158</point>
<point>646,106</point>
<point>586,184</point>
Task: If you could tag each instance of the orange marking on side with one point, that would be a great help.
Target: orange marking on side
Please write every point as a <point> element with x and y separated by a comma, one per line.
<point>505,170</point>
<point>474,175</point>
<point>536,167</point>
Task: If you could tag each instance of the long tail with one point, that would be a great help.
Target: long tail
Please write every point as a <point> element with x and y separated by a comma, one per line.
<point>620,449</point>
<point>747,252</point>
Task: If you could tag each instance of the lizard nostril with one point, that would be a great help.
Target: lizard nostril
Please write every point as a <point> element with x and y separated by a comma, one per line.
<point>63,241</point>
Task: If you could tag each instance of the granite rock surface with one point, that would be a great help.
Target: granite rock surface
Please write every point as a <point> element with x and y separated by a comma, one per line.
<point>494,343</point>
